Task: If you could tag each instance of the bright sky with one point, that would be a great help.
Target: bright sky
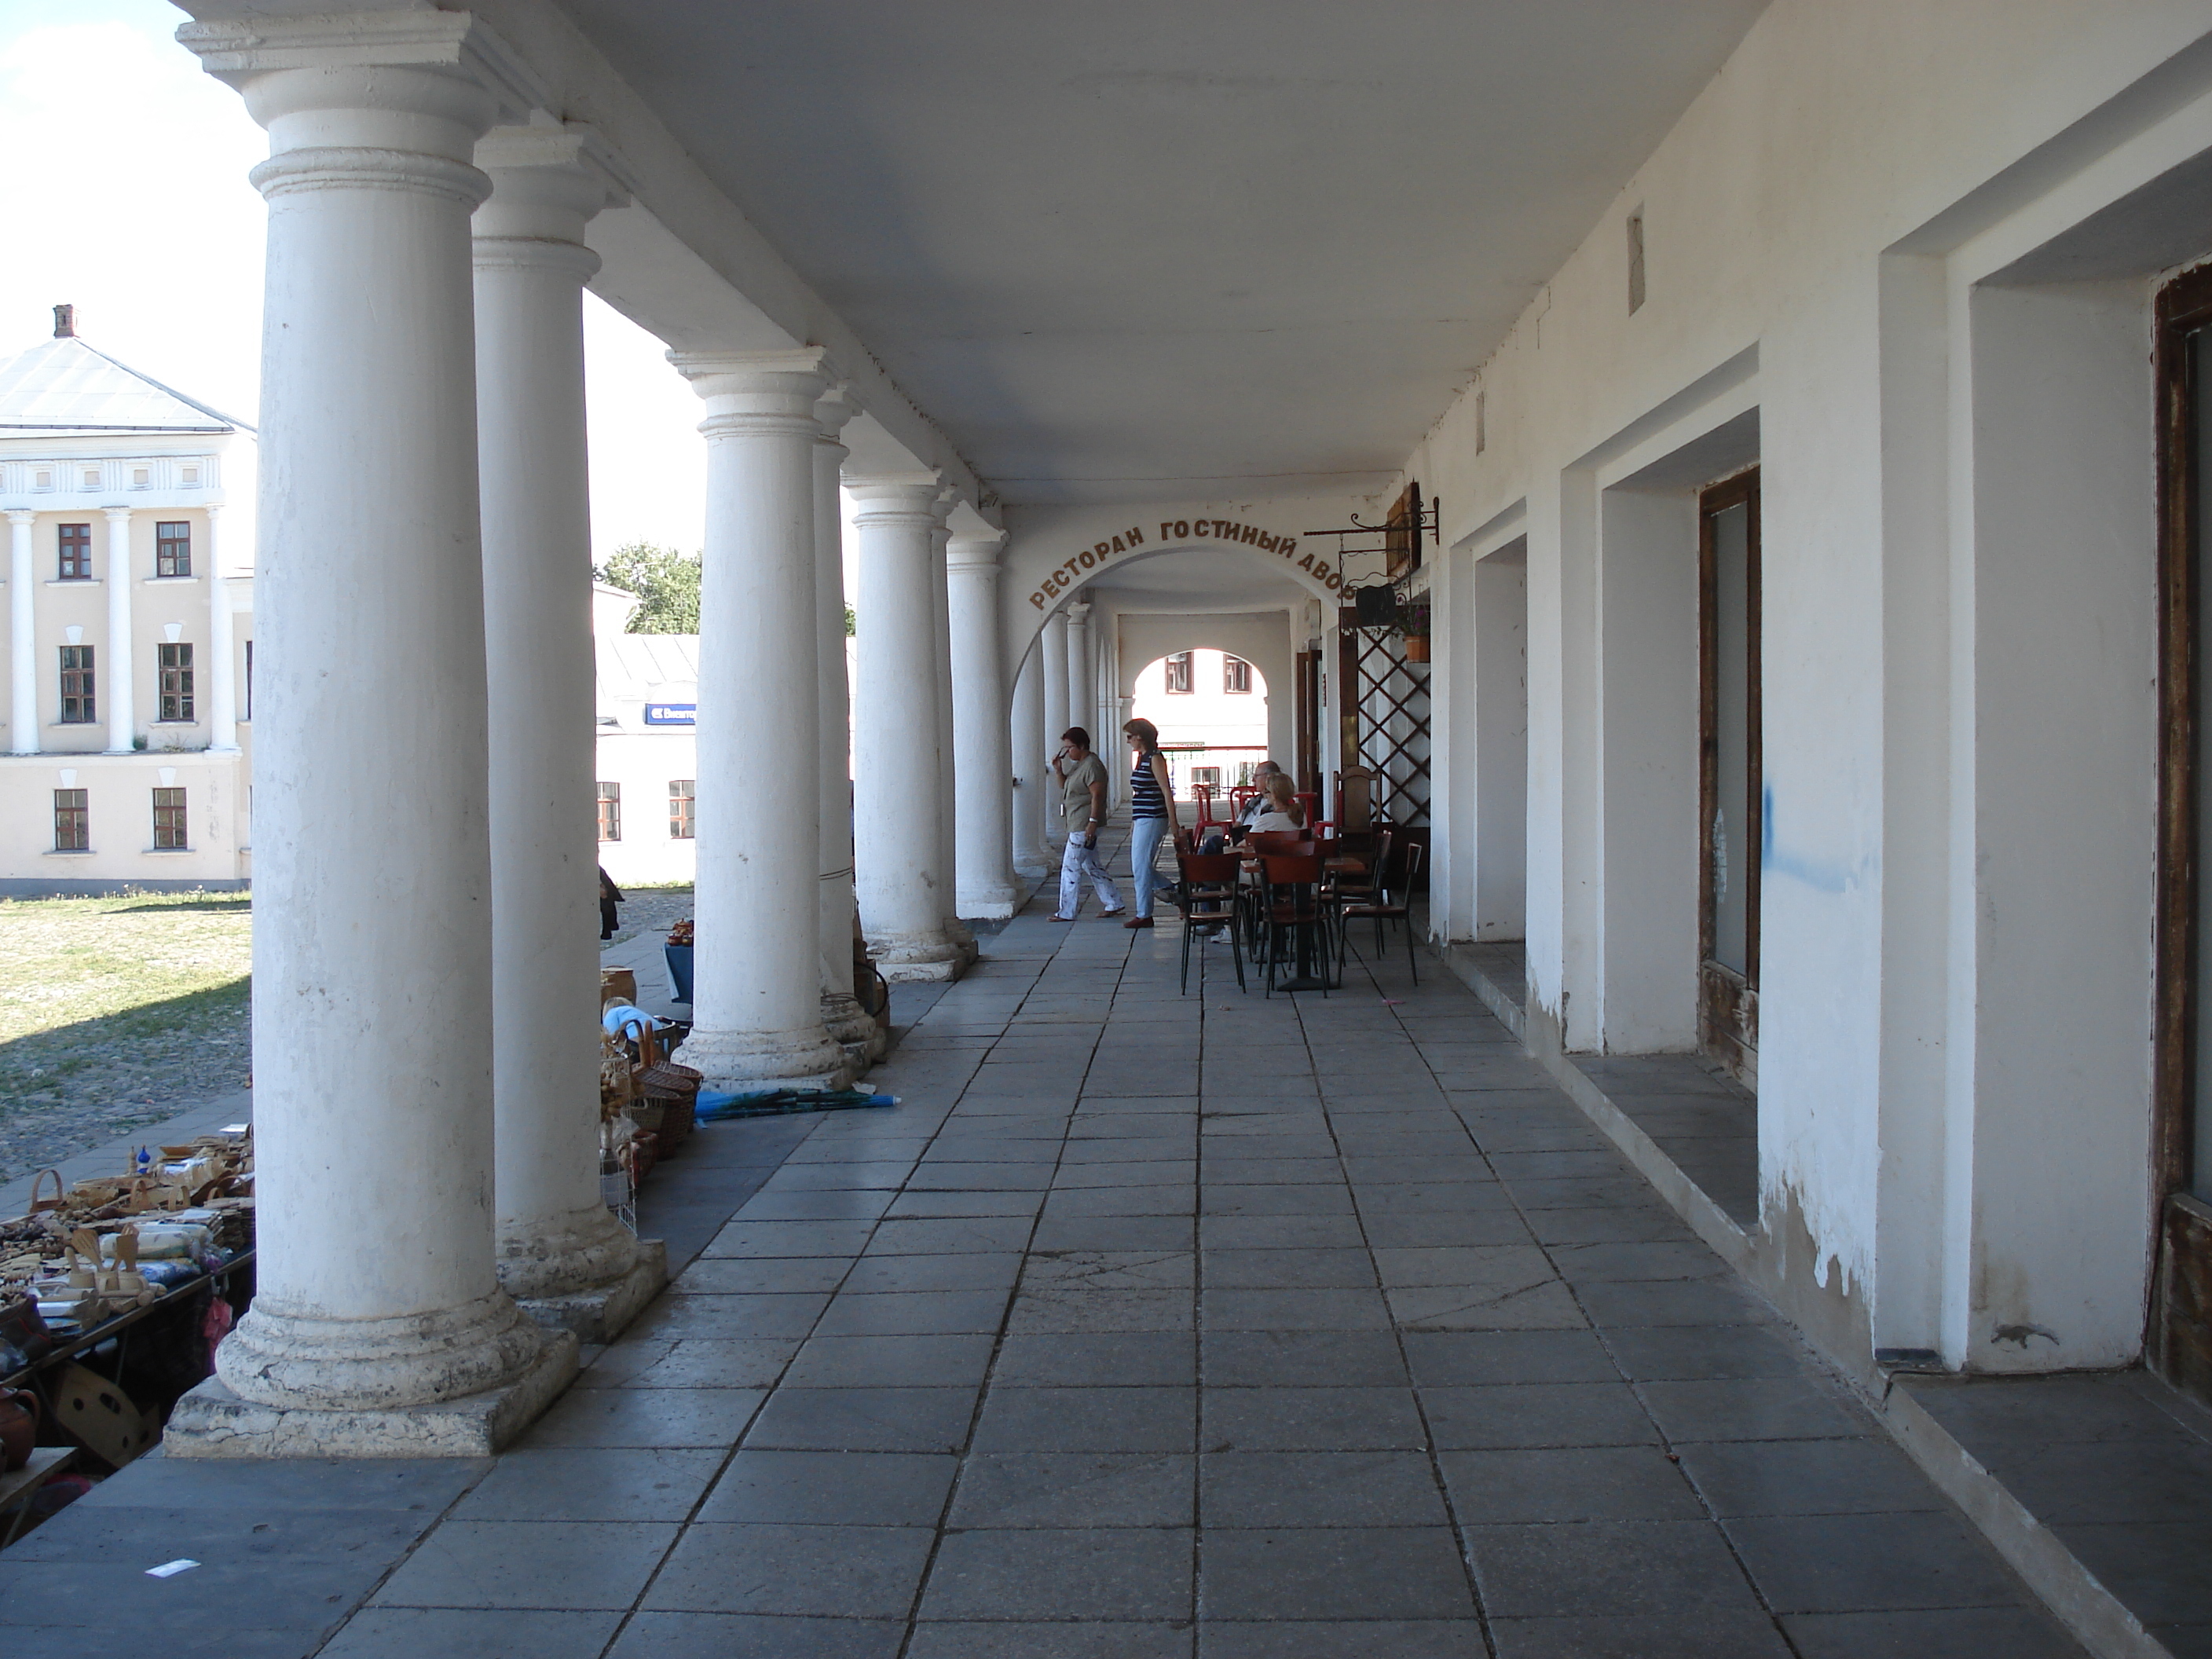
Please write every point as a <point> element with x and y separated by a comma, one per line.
<point>134,208</point>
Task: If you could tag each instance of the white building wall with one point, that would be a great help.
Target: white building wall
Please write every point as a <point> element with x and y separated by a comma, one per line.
<point>80,477</point>
<point>1938,1098</point>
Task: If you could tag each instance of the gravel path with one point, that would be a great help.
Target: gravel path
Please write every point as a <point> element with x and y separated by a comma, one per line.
<point>651,910</point>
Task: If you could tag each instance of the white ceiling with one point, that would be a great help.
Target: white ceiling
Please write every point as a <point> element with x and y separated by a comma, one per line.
<point>1138,249</point>
<point>1198,580</point>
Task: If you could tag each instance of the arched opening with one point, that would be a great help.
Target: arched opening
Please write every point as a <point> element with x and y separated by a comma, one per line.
<point>1211,706</point>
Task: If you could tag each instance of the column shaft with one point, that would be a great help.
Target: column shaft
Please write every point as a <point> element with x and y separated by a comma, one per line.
<point>1052,662</point>
<point>372,954</point>
<point>22,637</point>
<point>1030,773</point>
<point>555,1238</point>
<point>982,768</point>
<point>119,674</point>
<point>757,987</point>
<point>946,780</point>
<point>895,820</point>
<point>223,646</point>
<point>846,1021</point>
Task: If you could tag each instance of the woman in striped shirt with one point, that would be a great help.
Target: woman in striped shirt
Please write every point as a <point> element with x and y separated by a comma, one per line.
<point>1152,813</point>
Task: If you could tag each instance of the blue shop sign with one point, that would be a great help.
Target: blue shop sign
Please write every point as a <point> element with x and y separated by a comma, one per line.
<point>671,714</point>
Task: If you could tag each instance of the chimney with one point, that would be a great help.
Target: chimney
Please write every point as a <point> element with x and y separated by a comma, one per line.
<point>64,322</point>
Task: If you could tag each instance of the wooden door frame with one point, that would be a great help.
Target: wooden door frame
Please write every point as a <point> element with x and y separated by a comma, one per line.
<point>1735,1043</point>
<point>2180,1336</point>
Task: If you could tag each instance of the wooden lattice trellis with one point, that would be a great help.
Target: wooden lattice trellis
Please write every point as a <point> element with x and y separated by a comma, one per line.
<point>1386,718</point>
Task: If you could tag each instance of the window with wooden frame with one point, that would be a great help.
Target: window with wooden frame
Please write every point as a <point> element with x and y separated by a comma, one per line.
<point>681,794</point>
<point>609,812</point>
<point>80,706</point>
<point>1236,675</point>
<point>72,821</point>
<point>176,681</point>
<point>1179,674</point>
<point>2179,1342</point>
<point>75,564</point>
<point>172,549</point>
<point>169,825</point>
<point>1729,774</point>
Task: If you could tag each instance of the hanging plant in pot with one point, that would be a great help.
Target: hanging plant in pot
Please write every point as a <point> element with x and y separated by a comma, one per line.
<point>1414,619</point>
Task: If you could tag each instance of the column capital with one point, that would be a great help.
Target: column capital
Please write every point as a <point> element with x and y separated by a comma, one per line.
<point>118,514</point>
<point>833,410</point>
<point>975,553</point>
<point>547,183</point>
<point>888,497</point>
<point>448,65</point>
<point>22,515</point>
<point>757,391</point>
<point>1077,614</point>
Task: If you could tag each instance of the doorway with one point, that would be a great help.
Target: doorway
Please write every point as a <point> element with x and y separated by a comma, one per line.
<point>2181,1144</point>
<point>1729,784</point>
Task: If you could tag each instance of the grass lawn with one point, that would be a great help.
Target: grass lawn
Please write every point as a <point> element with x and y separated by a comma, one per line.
<point>113,1011</point>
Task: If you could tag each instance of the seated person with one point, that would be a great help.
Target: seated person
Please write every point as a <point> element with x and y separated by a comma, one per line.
<point>1260,774</point>
<point>1280,810</point>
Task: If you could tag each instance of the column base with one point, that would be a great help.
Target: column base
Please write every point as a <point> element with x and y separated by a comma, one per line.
<point>312,1362</point>
<point>896,954</point>
<point>1033,865</point>
<point>211,1421</point>
<point>854,1027</point>
<point>543,1256</point>
<point>597,1313</point>
<point>995,902</point>
<point>924,973</point>
<point>743,1062</point>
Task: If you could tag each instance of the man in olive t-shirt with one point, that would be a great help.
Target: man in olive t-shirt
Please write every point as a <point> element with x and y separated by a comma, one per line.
<point>1082,778</point>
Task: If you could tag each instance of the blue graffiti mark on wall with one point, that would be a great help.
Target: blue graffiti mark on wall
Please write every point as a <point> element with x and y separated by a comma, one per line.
<point>1822,875</point>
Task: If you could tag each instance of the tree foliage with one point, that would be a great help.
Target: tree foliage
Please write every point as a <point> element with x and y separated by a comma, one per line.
<point>667,583</point>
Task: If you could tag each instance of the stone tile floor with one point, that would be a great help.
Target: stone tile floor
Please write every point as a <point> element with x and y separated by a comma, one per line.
<point>1215,1327</point>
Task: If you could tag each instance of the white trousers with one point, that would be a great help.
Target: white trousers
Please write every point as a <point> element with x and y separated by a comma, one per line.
<point>1077,862</point>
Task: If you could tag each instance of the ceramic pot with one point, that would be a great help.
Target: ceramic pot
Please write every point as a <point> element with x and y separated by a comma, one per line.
<point>19,1428</point>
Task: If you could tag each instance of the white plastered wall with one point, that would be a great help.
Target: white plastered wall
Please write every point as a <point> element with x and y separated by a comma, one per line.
<point>1779,214</point>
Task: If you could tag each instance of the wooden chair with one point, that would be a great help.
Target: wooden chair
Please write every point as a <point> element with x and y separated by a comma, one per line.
<point>1382,907</point>
<point>1203,794</point>
<point>1293,909</point>
<point>1208,898</point>
<point>1363,887</point>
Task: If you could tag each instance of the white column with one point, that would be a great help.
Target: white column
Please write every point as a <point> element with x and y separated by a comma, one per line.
<point>981,769</point>
<point>371,952</point>
<point>119,674</point>
<point>1082,694</point>
<point>895,825</point>
<point>557,1243</point>
<point>842,1013</point>
<point>22,636</point>
<point>757,987</point>
<point>223,646</point>
<point>1029,772</point>
<point>1052,665</point>
<point>948,830</point>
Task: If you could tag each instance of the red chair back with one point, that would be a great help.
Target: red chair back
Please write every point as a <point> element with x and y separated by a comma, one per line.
<point>1291,869</point>
<point>1308,806</point>
<point>1240,797</point>
<point>1265,841</point>
<point>1203,793</point>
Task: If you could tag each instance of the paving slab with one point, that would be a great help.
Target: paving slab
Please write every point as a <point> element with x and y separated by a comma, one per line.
<point>1116,1341</point>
